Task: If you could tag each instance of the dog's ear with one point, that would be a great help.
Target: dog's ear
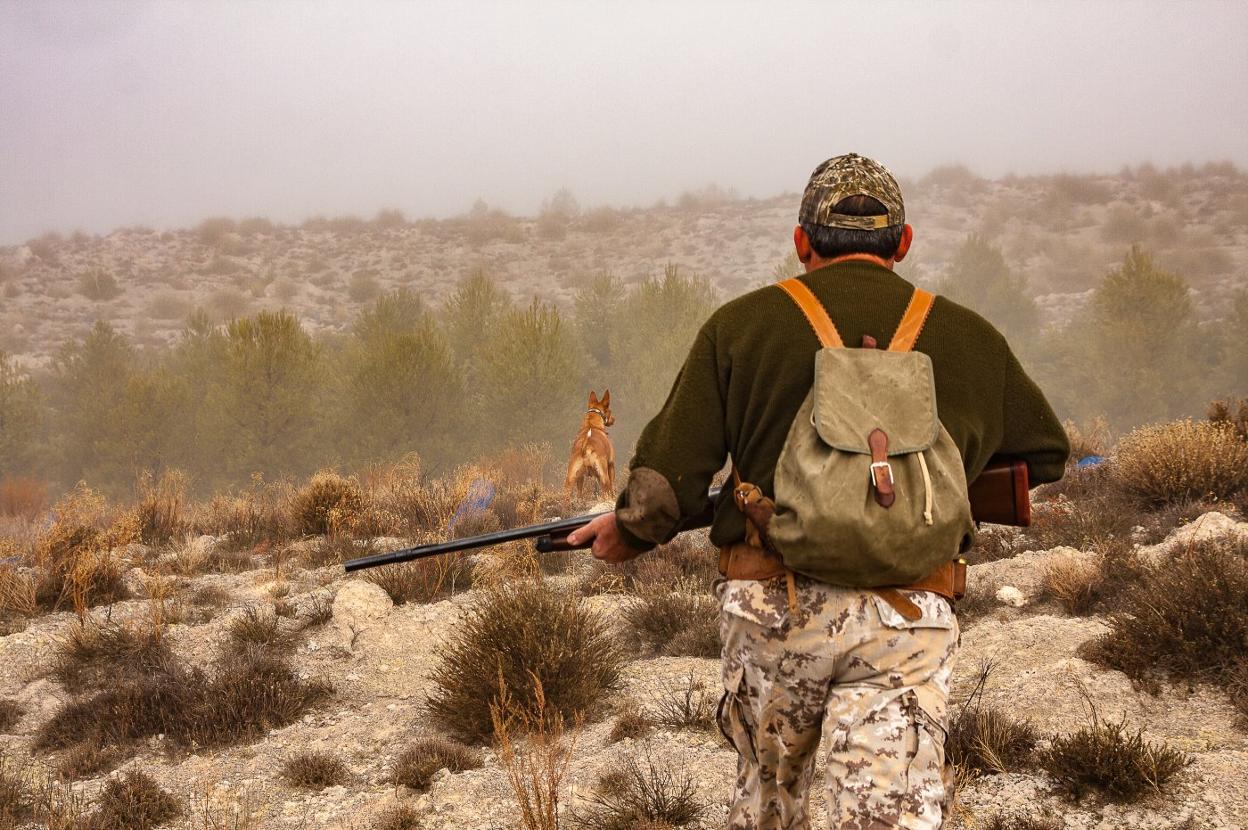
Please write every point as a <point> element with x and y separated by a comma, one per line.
<point>606,398</point>
<point>593,399</point>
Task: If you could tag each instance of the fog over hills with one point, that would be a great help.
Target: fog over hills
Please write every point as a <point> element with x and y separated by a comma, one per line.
<point>121,113</point>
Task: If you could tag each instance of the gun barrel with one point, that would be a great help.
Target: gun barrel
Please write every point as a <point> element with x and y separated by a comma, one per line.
<point>556,527</point>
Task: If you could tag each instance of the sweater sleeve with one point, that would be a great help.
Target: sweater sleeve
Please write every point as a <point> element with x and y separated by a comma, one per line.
<point>678,453</point>
<point>1032,431</point>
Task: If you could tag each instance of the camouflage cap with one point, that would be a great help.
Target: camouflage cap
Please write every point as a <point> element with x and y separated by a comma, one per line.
<point>851,175</point>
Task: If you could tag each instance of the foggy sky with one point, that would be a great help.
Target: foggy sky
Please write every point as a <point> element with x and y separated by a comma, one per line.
<point>162,113</point>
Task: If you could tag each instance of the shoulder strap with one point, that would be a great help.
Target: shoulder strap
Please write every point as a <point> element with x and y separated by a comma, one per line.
<point>912,321</point>
<point>815,313</point>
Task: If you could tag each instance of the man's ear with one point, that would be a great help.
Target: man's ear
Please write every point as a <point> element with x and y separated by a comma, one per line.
<point>606,398</point>
<point>903,247</point>
<point>802,243</point>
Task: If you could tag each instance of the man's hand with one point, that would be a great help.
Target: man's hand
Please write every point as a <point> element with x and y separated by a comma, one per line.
<point>605,534</point>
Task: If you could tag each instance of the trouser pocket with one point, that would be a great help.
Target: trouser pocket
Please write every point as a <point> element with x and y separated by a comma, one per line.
<point>733,716</point>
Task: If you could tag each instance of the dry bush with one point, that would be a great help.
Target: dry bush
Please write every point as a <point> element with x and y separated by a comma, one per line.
<point>95,655</point>
<point>318,611</point>
<point>686,705</point>
<point>1075,582</point>
<point>10,713</point>
<point>640,791</point>
<point>315,770</point>
<point>1187,617</point>
<point>417,764</point>
<point>242,698</point>
<point>258,630</point>
<point>88,760</point>
<point>98,285</point>
<point>632,722</point>
<point>1109,758</point>
<point>689,559</point>
<point>73,561</point>
<point>992,542</point>
<point>327,501</point>
<point>1092,438</point>
<point>676,623</point>
<point>133,801</point>
<point>425,580</point>
<point>23,497</point>
<point>1232,414</point>
<point>535,769</point>
<point>1235,680</point>
<point>160,507</point>
<point>252,517</point>
<point>982,739</point>
<point>1023,821</point>
<point>979,601</point>
<point>513,637</point>
<point>1181,461</point>
<point>1083,521</point>
<point>399,817</point>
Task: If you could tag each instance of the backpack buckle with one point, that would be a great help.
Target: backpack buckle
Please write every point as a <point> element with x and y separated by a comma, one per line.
<point>886,466</point>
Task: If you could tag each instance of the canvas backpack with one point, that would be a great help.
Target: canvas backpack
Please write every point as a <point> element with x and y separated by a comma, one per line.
<point>870,489</point>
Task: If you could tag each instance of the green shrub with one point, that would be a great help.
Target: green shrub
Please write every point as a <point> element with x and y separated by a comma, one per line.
<point>515,637</point>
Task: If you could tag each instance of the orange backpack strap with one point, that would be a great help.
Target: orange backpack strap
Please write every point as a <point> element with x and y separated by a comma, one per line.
<point>912,321</point>
<point>815,313</point>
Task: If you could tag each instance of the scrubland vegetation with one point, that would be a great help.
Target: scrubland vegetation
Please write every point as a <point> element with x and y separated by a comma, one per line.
<point>173,517</point>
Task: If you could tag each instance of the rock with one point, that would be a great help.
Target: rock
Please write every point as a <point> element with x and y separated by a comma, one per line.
<point>1205,528</point>
<point>135,582</point>
<point>358,605</point>
<point>1011,596</point>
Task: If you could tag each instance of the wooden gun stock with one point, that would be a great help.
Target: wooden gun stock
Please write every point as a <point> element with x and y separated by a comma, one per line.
<point>1000,495</point>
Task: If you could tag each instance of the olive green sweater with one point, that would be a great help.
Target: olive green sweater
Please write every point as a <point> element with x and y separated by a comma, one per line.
<point>752,365</point>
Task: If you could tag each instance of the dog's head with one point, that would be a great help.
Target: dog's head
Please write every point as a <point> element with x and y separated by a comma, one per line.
<point>602,405</point>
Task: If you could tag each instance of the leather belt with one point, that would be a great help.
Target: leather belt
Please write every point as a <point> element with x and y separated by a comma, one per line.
<point>745,561</point>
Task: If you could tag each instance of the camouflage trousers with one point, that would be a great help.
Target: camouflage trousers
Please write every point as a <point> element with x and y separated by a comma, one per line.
<point>847,665</point>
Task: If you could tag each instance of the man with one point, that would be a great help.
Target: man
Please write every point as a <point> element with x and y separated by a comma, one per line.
<point>803,658</point>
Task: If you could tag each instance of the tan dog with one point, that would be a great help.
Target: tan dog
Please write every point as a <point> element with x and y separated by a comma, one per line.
<point>592,451</point>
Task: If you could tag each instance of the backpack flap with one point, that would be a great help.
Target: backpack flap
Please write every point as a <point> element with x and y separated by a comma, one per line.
<point>857,391</point>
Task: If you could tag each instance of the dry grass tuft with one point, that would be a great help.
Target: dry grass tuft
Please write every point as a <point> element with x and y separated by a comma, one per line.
<point>425,580</point>
<point>632,722</point>
<point>1023,821</point>
<point>1108,758</point>
<point>161,507</point>
<point>255,516</point>
<point>1233,414</point>
<point>1075,582</point>
<point>417,764</point>
<point>641,792</point>
<point>686,705</point>
<point>133,801</point>
<point>255,629</point>
<point>244,697</point>
<point>513,638</point>
<point>1181,461</point>
<point>315,770</point>
<point>676,623</point>
<point>327,501</point>
<point>10,713</point>
<point>88,760</point>
<point>95,655</point>
<point>982,740</point>
<point>400,817</point>
<point>319,611</point>
<point>689,560</point>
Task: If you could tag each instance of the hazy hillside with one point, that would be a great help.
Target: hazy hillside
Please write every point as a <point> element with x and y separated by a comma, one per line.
<point>1060,233</point>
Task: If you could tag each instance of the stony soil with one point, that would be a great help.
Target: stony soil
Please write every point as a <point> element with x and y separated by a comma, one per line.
<point>378,658</point>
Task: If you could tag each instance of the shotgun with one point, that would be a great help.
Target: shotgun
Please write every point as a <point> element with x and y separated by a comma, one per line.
<point>998,496</point>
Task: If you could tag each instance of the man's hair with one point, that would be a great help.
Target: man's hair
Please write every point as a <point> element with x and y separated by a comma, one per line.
<point>833,242</point>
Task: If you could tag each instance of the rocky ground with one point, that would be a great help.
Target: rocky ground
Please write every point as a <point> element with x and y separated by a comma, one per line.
<point>379,656</point>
